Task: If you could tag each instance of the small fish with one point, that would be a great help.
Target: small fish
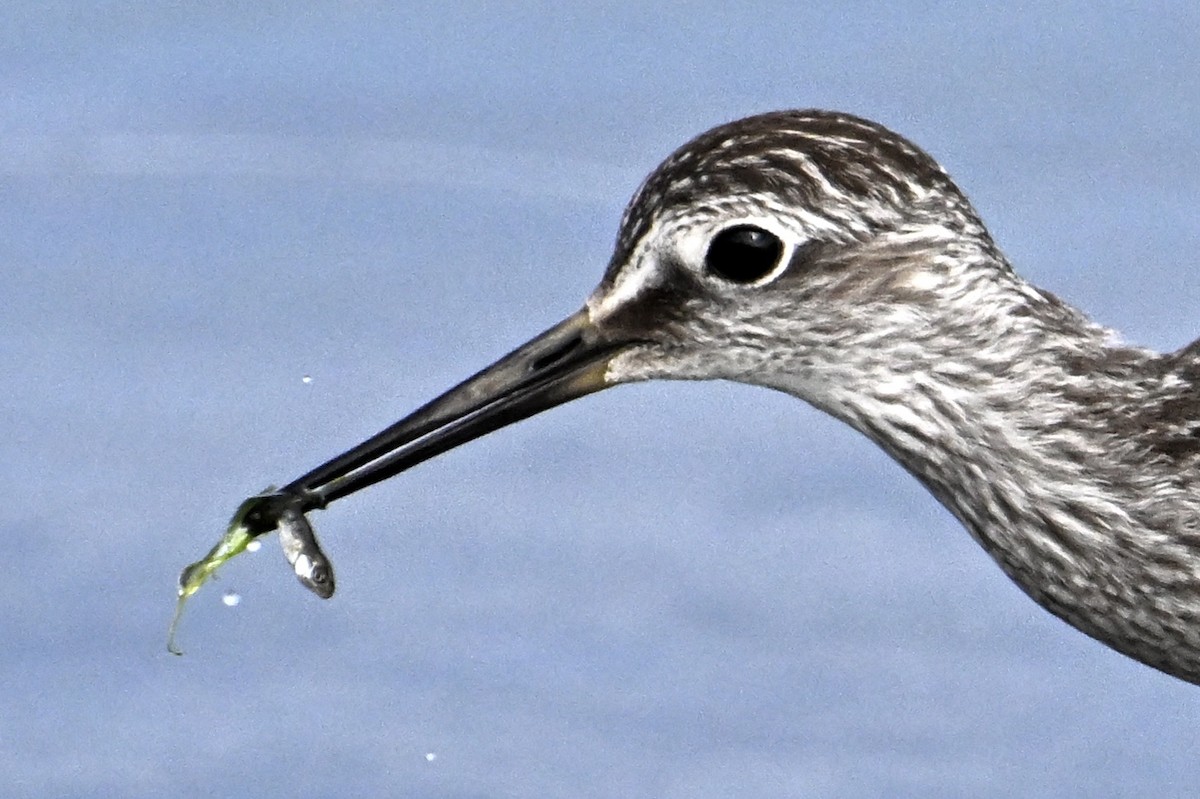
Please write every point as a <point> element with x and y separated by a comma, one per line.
<point>300,547</point>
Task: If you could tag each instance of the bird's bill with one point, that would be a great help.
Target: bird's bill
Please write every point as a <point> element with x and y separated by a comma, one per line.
<point>568,361</point>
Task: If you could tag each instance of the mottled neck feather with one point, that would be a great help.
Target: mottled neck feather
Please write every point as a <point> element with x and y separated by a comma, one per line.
<point>1072,460</point>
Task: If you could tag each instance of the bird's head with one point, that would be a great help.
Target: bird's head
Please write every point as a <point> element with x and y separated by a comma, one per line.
<point>785,243</point>
<point>790,249</point>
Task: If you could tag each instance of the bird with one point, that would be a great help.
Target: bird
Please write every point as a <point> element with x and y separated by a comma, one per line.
<point>821,254</point>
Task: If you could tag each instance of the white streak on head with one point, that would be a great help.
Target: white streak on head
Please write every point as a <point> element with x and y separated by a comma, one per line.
<point>632,280</point>
<point>921,280</point>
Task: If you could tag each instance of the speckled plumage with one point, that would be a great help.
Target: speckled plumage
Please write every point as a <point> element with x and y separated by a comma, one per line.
<point>1073,459</point>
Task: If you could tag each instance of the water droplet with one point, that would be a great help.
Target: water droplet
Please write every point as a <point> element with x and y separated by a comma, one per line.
<point>231,598</point>
<point>254,546</point>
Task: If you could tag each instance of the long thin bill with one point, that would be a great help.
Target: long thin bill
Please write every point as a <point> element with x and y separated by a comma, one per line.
<point>567,361</point>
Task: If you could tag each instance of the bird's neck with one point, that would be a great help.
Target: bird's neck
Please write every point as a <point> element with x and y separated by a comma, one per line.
<point>1056,450</point>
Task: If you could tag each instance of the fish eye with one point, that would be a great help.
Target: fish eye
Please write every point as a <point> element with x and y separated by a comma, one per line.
<point>743,253</point>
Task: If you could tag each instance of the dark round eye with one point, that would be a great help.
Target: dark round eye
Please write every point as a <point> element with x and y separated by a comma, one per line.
<point>743,253</point>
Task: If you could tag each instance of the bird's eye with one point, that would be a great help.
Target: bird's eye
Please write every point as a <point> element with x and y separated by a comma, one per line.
<point>743,253</point>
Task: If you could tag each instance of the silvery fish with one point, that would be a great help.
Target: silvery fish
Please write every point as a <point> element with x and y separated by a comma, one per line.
<point>313,569</point>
